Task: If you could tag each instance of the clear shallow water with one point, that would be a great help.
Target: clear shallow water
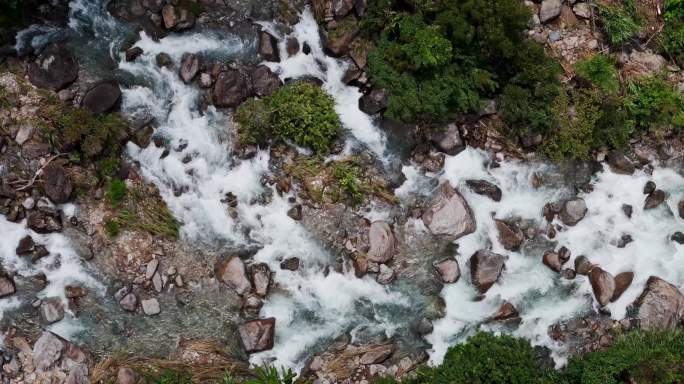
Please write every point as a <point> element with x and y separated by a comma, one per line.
<point>314,306</point>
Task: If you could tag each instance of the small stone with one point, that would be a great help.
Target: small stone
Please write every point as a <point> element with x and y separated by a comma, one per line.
<point>126,376</point>
<point>290,264</point>
<point>627,209</point>
<point>129,302</point>
<point>133,53</point>
<point>295,212</point>
<point>649,187</point>
<point>568,273</point>
<point>157,282</point>
<point>151,307</point>
<point>151,269</point>
<point>552,260</point>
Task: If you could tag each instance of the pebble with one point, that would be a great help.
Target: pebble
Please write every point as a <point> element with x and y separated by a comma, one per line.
<point>151,307</point>
<point>151,268</point>
<point>29,203</point>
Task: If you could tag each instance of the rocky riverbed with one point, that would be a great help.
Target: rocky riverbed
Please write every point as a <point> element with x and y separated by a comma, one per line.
<point>223,255</point>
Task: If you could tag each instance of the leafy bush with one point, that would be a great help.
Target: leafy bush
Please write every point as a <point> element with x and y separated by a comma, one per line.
<point>638,357</point>
<point>654,103</point>
<point>672,37</point>
<point>617,24</point>
<point>600,71</point>
<point>438,58</point>
<point>301,112</point>
<point>347,176</point>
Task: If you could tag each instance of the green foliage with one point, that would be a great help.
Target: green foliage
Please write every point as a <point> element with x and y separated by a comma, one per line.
<point>112,228</point>
<point>347,176</point>
<point>654,103</point>
<point>600,71</point>
<point>301,112</point>
<point>271,375</point>
<point>117,192</point>
<point>671,38</point>
<point>438,58</point>
<point>641,357</point>
<point>618,25</point>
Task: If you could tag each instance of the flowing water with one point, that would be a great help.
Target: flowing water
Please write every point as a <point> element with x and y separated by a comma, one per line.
<point>314,305</point>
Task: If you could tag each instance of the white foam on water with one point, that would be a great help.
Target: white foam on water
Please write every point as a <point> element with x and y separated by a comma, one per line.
<point>330,71</point>
<point>35,36</point>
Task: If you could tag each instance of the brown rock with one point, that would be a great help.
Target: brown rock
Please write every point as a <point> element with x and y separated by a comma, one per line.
<point>7,286</point>
<point>261,276</point>
<point>257,335</point>
<point>268,47</point>
<point>622,282</point>
<point>582,265</point>
<point>448,270</point>
<point>603,285</point>
<point>126,376</point>
<point>485,269</point>
<point>483,187</point>
<point>449,214</point>
<point>264,81</point>
<point>552,260</point>
<point>377,355</point>
<point>57,183</point>
<point>619,163</point>
<point>506,312</point>
<point>573,211</point>
<point>230,89</point>
<point>381,240</point>
<point>189,67</point>
<point>680,209</point>
<point>169,16</point>
<point>233,273</point>
<point>290,264</point>
<point>656,198</point>
<point>661,305</point>
<point>510,235</point>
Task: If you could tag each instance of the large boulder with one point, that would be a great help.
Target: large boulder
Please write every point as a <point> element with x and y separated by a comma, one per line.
<point>377,354</point>
<point>47,351</point>
<point>619,163</point>
<point>622,282</point>
<point>510,235</point>
<point>661,305</point>
<point>57,183</point>
<point>102,97</point>
<point>44,221</point>
<point>485,269</point>
<point>448,270</point>
<point>485,188</point>
<point>51,310</point>
<point>264,81</point>
<point>654,199</point>
<point>374,101</point>
<point>448,140</point>
<point>233,273</point>
<point>552,260</point>
<point>54,69</point>
<point>231,89</point>
<point>261,276</point>
<point>268,47</point>
<point>189,67</point>
<point>257,335</point>
<point>550,9</point>
<point>381,241</point>
<point>603,285</point>
<point>573,211</point>
<point>449,214</point>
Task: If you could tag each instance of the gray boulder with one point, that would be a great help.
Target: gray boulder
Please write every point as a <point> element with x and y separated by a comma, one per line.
<point>550,9</point>
<point>381,240</point>
<point>449,140</point>
<point>189,67</point>
<point>449,214</point>
<point>573,211</point>
<point>47,351</point>
<point>661,305</point>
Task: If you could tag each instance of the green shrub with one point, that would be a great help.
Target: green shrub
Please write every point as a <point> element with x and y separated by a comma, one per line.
<point>301,112</point>
<point>617,24</point>
<point>654,103</point>
<point>112,228</point>
<point>271,375</point>
<point>117,192</point>
<point>600,71</point>
<point>638,357</point>
<point>671,38</point>
<point>347,176</point>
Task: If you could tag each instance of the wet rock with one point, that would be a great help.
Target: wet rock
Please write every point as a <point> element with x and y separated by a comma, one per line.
<point>257,335</point>
<point>233,273</point>
<point>377,355</point>
<point>374,101</point>
<point>568,273</point>
<point>677,237</point>
<point>205,80</point>
<point>163,60</point>
<point>680,209</point>
<point>603,285</point>
<point>44,221</point>
<point>649,187</point>
<point>74,292</point>
<point>449,214</point>
<point>506,312</point>
<point>57,183</point>
<point>485,188</point>
<point>102,97</point>
<point>619,163</point>
<point>54,69</point>
<point>129,302</point>
<point>449,271</point>
<point>654,199</point>
<point>510,235</point>
<point>7,286</point>
<point>264,81</point>
<point>563,255</point>
<point>448,141</point>
<point>292,46</point>
<point>552,260</point>
<point>295,212</point>
<point>47,351</point>
<point>550,9</point>
<point>261,276</point>
<point>624,240</point>
<point>338,41</point>
<point>622,282</point>
<point>582,265</point>
<point>485,269</point>
<point>268,47</point>
<point>424,327</point>
<point>169,16</point>
<point>627,209</point>
<point>26,246</point>
<point>660,305</point>
<point>381,241</point>
<point>126,375</point>
<point>189,67</point>
<point>290,264</point>
<point>151,307</point>
<point>386,275</point>
<point>133,53</point>
<point>573,211</point>
<point>230,89</point>
<point>51,310</point>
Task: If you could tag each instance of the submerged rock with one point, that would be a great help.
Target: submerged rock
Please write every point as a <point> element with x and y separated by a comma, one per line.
<point>573,211</point>
<point>484,187</point>
<point>603,285</point>
<point>385,275</point>
<point>290,264</point>
<point>54,69</point>
<point>381,241</point>
<point>7,286</point>
<point>661,305</point>
<point>51,310</point>
<point>449,214</point>
<point>129,302</point>
<point>233,273</point>
<point>151,307</point>
<point>257,335</point>
<point>485,269</point>
<point>261,276</point>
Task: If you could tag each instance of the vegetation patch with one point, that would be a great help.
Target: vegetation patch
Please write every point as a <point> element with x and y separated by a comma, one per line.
<point>600,71</point>
<point>671,38</point>
<point>618,23</point>
<point>653,103</point>
<point>301,113</point>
